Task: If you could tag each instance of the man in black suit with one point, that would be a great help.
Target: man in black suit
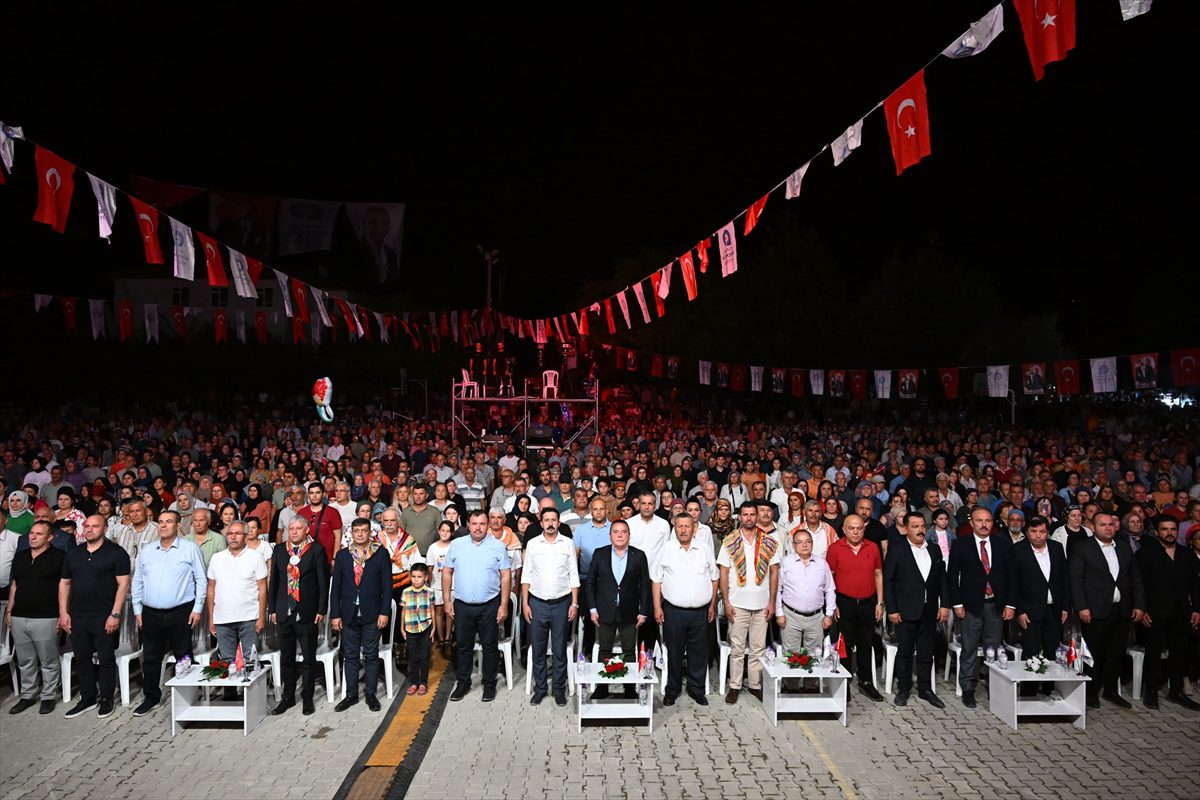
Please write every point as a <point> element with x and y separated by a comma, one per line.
<point>914,589</point>
<point>1042,594</point>
<point>1107,592</point>
<point>981,583</point>
<point>1172,578</point>
<point>618,604</point>
<point>360,605</point>
<point>297,603</point>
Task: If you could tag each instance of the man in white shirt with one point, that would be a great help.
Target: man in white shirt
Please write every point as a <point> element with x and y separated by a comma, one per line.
<point>344,506</point>
<point>550,602</point>
<point>779,496</point>
<point>684,585</point>
<point>648,532</point>
<point>734,491</point>
<point>237,594</point>
<point>749,579</point>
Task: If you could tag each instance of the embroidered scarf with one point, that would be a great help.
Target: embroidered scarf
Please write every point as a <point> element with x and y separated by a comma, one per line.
<point>764,550</point>
<point>296,553</point>
<point>360,557</point>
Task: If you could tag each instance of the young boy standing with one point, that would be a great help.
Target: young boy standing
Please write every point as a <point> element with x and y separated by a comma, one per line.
<point>416,615</point>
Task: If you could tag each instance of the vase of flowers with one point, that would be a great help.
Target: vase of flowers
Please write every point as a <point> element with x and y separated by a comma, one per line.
<point>217,669</point>
<point>799,659</point>
<point>1037,665</point>
<point>613,668</point>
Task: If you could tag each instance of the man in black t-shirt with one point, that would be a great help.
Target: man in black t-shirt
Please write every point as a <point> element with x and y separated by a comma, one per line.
<point>95,582</point>
<point>33,617</point>
<point>875,532</point>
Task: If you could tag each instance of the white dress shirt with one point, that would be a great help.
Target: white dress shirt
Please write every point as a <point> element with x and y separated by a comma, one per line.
<point>753,596</point>
<point>1043,562</point>
<point>924,560</point>
<point>686,576</point>
<point>550,567</point>
<point>1110,555</point>
<point>649,537</point>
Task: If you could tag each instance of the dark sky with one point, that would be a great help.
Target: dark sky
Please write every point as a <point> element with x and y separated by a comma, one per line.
<point>595,149</point>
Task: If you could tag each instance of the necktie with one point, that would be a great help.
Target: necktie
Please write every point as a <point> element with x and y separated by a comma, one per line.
<point>987,565</point>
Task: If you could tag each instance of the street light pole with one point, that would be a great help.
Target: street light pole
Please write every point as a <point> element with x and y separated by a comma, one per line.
<point>490,257</point>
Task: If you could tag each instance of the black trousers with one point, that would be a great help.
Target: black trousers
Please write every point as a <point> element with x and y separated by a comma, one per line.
<point>918,633</point>
<point>360,645</point>
<point>685,631</point>
<point>589,631</point>
<point>1042,637</point>
<point>550,630</point>
<point>419,646</point>
<point>291,633</point>
<point>1170,634</point>
<point>471,620</point>
<point>88,637</point>
<point>162,629</point>
<point>1107,639</point>
<point>626,634</point>
<point>856,622</point>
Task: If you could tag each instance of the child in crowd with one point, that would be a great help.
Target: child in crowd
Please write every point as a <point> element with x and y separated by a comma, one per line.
<point>416,615</point>
<point>443,625</point>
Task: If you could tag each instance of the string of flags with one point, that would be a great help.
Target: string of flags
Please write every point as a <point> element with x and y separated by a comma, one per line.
<point>1048,30</point>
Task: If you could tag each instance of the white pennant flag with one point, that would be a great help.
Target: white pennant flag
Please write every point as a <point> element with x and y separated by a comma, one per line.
<point>883,383</point>
<point>1134,8</point>
<point>284,292</point>
<point>981,33</point>
<point>816,381</point>
<point>756,375</point>
<point>316,330</point>
<point>705,373</point>
<point>239,326</point>
<point>241,275</point>
<point>151,311</point>
<point>40,301</point>
<point>96,307</point>
<point>640,294</point>
<point>623,302</point>
<point>106,204</point>
<point>664,281</point>
<point>793,183</point>
<point>727,241</point>
<point>1104,374</point>
<point>383,331</point>
<point>319,300</point>
<point>185,251</point>
<point>997,380</point>
<point>358,326</point>
<point>847,143</point>
<point>8,135</point>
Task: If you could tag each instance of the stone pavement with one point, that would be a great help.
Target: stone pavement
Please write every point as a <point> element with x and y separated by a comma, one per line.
<point>508,749</point>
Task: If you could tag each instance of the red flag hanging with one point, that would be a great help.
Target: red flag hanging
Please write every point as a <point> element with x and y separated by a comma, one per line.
<point>858,384</point>
<point>1066,377</point>
<point>347,315</point>
<point>659,307</point>
<point>754,212</point>
<point>56,184</point>
<point>365,317</point>
<point>298,326</point>
<point>260,326</point>
<point>254,268</point>
<point>608,316</point>
<point>797,380</point>
<point>212,258</point>
<point>180,319</point>
<point>1145,370</point>
<point>689,275</point>
<point>907,113</point>
<point>737,378</point>
<point>299,300</point>
<point>1049,29</point>
<point>1185,366</point>
<point>68,310</point>
<point>125,319</point>
<point>656,366</point>
<point>908,384</point>
<point>147,220</point>
<point>220,325</point>
<point>702,249</point>
<point>949,378</point>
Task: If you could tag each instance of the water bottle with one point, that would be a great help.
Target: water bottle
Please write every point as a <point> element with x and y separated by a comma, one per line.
<point>643,694</point>
<point>253,665</point>
<point>1002,657</point>
<point>769,653</point>
<point>580,664</point>
<point>1061,656</point>
<point>183,665</point>
<point>989,655</point>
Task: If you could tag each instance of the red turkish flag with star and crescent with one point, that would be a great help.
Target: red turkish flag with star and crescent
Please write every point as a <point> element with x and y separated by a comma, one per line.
<point>260,326</point>
<point>797,383</point>
<point>1049,30</point>
<point>858,384</point>
<point>688,271</point>
<point>214,261</point>
<point>69,310</point>
<point>147,220</point>
<point>220,325</point>
<point>299,300</point>
<point>702,251</point>
<point>1066,377</point>
<point>949,378</point>
<point>907,115</point>
<point>56,184</point>
<point>1185,366</point>
<point>125,319</point>
<point>180,319</point>
<point>754,213</point>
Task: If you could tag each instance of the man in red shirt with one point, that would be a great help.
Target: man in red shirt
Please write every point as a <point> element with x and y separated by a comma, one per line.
<point>324,523</point>
<point>858,578</point>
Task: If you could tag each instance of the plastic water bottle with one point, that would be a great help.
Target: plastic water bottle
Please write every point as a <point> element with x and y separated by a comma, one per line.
<point>643,693</point>
<point>183,665</point>
<point>253,665</point>
<point>769,653</point>
<point>1002,657</point>
<point>989,655</point>
<point>580,665</point>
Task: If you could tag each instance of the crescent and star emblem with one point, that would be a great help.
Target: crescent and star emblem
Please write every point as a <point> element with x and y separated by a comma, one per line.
<point>148,228</point>
<point>907,102</point>
<point>53,173</point>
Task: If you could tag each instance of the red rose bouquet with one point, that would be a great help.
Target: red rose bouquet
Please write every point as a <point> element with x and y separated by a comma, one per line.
<point>800,659</point>
<point>613,668</point>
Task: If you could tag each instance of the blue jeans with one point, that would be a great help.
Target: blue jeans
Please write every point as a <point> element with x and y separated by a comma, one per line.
<point>550,620</point>
<point>231,634</point>
<point>359,635</point>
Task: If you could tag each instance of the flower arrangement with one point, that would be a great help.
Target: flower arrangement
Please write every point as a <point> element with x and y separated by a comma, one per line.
<point>1037,665</point>
<point>799,659</point>
<point>614,668</point>
<point>217,669</point>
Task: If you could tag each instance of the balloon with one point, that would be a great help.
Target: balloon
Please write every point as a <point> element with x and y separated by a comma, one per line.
<point>322,393</point>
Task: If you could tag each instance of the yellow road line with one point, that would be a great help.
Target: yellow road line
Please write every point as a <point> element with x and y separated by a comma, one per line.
<point>838,777</point>
<point>398,738</point>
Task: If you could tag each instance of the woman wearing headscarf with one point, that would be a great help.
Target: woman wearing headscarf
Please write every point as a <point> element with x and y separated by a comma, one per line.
<point>722,522</point>
<point>20,518</point>
<point>184,505</point>
<point>257,505</point>
<point>521,505</point>
<point>66,510</point>
<point>154,503</point>
<point>38,475</point>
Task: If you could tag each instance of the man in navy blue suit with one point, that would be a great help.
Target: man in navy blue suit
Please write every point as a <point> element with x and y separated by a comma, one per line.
<point>360,605</point>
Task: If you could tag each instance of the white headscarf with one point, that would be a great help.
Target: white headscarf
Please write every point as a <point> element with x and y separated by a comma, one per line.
<point>22,504</point>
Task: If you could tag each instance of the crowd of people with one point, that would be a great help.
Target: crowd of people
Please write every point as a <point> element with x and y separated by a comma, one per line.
<point>664,530</point>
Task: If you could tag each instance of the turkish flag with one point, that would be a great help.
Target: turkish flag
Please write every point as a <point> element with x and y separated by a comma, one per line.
<point>347,314</point>
<point>754,212</point>
<point>56,184</point>
<point>1066,377</point>
<point>300,300</point>
<point>1185,366</point>
<point>297,330</point>
<point>656,366</point>
<point>68,309</point>
<point>180,319</point>
<point>858,384</point>
<point>260,326</point>
<point>658,301</point>
<point>254,268</point>
<point>797,383</point>
<point>949,378</point>
<point>907,115</point>
<point>365,316</point>
<point>214,261</point>
<point>608,317</point>
<point>220,324</point>
<point>1049,29</point>
<point>125,319</point>
<point>737,378</point>
<point>147,220</point>
<point>689,275</point>
<point>702,250</point>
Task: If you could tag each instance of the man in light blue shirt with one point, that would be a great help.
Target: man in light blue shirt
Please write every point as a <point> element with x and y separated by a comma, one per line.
<point>169,587</point>
<point>476,581</point>
<point>588,536</point>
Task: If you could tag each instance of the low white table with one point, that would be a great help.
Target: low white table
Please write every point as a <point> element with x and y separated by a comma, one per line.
<point>190,701</point>
<point>831,699</point>
<point>616,705</point>
<point>1004,691</point>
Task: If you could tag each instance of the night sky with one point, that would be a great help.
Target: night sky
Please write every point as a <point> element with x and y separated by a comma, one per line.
<point>591,152</point>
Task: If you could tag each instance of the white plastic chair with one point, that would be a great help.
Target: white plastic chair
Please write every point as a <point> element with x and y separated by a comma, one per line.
<point>470,388</point>
<point>550,384</point>
<point>328,654</point>
<point>724,649</point>
<point>1137,654</point>
<point>385,654</point>
<point>663,678</point>
<point>954,652</point>
<point>507,646</point>
<point>890,650</point>
<point>203,647</point>
<point>550,652</point>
